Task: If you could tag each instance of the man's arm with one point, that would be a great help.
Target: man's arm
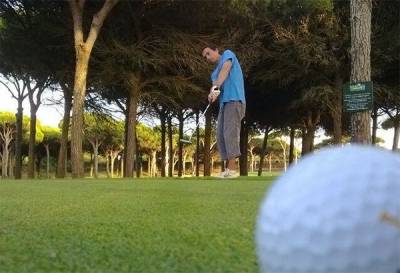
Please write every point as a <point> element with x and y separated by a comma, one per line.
<point>223,74</point>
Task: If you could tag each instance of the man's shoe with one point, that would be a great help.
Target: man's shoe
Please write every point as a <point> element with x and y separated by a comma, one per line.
<point>222,174</point>
<point>231,174</point>
<point>227,174</point>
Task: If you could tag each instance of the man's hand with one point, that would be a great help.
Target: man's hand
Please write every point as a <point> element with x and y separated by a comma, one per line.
<point>214,93</point>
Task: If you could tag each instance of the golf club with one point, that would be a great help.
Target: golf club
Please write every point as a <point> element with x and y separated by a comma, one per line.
<point>189,141</point>
<point>215,92</point>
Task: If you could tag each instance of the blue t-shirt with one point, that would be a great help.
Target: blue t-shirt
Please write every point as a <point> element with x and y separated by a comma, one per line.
<point>232,88</point>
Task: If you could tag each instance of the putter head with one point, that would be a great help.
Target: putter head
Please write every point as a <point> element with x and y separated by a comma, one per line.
<point>185,141</point>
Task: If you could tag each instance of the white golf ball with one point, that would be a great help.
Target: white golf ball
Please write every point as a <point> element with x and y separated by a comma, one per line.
<point>335,211</point>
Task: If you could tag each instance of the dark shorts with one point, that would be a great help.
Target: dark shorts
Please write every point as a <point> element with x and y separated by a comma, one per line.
<point>228,129</point>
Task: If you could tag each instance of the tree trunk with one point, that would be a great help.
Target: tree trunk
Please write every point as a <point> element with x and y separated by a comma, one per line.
<point>396,135</point>
<point>374,124</point>
<point>244,140</point>
<point>163,140</point>
<point>46,146</point>
<point>138,157</point>
<point>167,160</point>
<point>6,137</point>
<point>91,164</point>
<point>38,164</point>
<point>113,156</point>
<point>154,163</point>
<point>251,159</point>
<point>337,111</point>
<point>82,60</point>
<point>184,164</point>
<point>108,165</point>
<point>310,124</point>
<point>282,143</point>
<point>180,144</point>
<point>32,143</point>
<point>291,146</point>
<point>263,151</point>
<point>122,167</point>
<point>308,141</point>
<point>11,165</point>
<point>171,150</point>
<point>149,171</point>
<point>130,136</point>
<point>270,163</point>
<point>207,144</point>
<point>360,20</point>
<point>18,141</point>
<point>4,161</point>
<point>62,154</point>
<point>197,155</point>
<point>95,145</point>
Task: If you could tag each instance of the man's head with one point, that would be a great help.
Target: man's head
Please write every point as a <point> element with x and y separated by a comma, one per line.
<point>211,53</point>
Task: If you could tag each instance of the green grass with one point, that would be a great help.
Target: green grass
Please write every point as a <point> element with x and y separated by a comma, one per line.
<point>149,225</point>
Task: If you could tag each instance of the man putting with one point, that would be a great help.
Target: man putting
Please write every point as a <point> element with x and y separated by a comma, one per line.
<point>228,77</point>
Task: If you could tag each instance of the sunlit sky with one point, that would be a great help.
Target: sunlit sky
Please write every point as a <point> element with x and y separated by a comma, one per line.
<point>52,114</point>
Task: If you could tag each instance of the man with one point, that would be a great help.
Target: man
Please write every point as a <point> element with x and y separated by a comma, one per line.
<point>227,77</point>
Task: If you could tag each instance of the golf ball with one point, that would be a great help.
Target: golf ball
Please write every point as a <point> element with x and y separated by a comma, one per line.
<point>337,210</point>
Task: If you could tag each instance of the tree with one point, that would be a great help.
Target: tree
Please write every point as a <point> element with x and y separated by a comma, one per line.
<point>50,142</point>
<point>7,130</point>
<point>96,129</point>
<point>113,143</point>
<point>360,19</point>
<point>393,122</point>
<point>149,140</point>
<point>34,95</point>
<point>385,64</point>
<point>12,75</point>
<point>83,49</point>
<point>278,137</point>
<point>29,40</point>
<point>255,144</point>
<point>19,93</point>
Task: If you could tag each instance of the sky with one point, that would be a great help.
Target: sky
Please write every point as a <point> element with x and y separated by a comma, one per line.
<point>51,115</point>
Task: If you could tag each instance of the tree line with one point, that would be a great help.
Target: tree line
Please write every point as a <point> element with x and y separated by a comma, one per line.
<point>103,143</point>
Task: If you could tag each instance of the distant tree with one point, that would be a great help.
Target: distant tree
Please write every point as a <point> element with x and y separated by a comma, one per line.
<point>113,144</point>
<point>255,144</point>
<point>7,130</point>
<point>393,122</point>
<point>96,128</point>
<point>278,136</point>
<point>51,140</point>
<point>149,143</point>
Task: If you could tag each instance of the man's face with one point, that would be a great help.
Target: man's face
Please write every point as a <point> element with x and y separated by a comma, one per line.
<point>212,56</point>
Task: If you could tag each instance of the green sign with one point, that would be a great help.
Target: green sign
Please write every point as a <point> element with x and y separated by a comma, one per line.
<point>357,97</point>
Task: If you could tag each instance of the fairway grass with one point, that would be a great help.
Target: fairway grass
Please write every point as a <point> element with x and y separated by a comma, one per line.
<point>141,225</point>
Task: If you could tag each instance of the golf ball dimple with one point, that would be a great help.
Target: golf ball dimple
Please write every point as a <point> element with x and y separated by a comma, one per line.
<point>337,210</point>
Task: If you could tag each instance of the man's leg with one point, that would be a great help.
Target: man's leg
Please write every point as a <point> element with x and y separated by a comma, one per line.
<point>231,164</point>
<point>233,115</point>
<point>220,135</point>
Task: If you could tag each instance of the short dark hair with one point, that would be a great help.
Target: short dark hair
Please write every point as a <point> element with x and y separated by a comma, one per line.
<point>211,46</point>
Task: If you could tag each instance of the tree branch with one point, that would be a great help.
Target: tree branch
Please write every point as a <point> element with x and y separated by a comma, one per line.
<point>98,20</point>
